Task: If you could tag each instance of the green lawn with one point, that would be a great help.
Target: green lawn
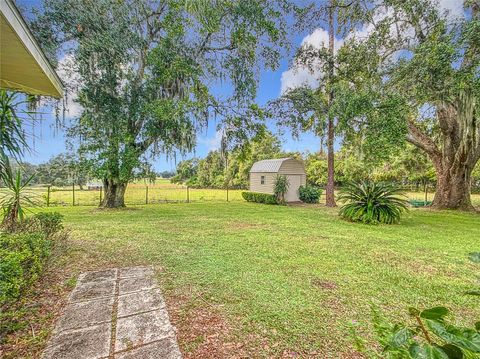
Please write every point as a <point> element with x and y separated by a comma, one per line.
<point>283,279</point>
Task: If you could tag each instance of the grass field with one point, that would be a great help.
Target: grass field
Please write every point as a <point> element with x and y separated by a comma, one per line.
<point>162,191</point>
<point>258,281</point>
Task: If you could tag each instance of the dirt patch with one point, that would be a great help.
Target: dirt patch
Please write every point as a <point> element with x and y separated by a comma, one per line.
<point>113,210</point>
<point>324,284</point>
<point>202,332</point>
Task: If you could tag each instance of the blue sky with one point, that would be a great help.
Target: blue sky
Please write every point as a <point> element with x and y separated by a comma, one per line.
<point>50,140</point>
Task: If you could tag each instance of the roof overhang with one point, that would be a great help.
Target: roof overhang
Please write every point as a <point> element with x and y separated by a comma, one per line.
<point>23,65</point>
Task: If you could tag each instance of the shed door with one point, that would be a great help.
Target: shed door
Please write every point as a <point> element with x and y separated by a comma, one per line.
<point>295,181</point>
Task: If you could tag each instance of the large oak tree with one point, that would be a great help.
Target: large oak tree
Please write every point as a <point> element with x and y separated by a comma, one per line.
<point>150,72</point>
<point>412,72</point>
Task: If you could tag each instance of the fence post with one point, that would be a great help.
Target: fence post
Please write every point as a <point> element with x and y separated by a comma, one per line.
<point>48,196</point>
<point>101,190</point>
<point>426,192</point>
<point>73,194</point>
<point>146,195</point>
<point>188,195</point>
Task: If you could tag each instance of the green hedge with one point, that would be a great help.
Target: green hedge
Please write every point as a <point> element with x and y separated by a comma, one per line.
<point>22,257</point>
<point>24,253</point>
<point>259,197</point>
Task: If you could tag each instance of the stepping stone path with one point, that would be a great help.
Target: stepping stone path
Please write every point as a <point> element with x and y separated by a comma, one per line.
<point>115,314</point>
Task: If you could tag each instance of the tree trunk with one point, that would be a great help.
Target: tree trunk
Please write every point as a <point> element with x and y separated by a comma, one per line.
<point>114,194</point>
<point>457,154</point>
<point>453,187</point>
<point>330,189</point>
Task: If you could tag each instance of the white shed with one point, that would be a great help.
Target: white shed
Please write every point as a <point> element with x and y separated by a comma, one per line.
<point>263,174</point>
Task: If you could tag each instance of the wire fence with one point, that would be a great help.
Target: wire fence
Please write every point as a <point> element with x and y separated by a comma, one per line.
<point>165,192</point>
<point>135,195</point>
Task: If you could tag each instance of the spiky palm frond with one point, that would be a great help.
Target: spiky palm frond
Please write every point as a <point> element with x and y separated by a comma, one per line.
<point>12,135</point>
<point>15,198</point>
<point>372,203</point>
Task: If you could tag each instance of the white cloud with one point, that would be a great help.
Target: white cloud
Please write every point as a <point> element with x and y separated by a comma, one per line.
<point>319,38</point>
<point>71,80</point>
<point>212,143</point>
<point>299,75</point>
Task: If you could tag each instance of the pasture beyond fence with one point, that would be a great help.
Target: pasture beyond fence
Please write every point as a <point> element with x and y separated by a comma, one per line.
<point>162,191</point>
<point>136,194</point>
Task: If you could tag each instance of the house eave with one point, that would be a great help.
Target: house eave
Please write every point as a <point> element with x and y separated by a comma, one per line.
<point>23,65</point>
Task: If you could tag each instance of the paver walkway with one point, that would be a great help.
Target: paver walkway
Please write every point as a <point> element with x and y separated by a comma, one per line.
<point>114,313</point>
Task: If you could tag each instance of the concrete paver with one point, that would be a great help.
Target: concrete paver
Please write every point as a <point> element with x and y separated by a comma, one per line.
<point>135,272</point>
<point>85,314</point>
<point>142,329</point>
<point>138,302</point>
<point>165,348</point>
<point>92,290</point>
<point>87,343</point>
<point>98,276</point>
<point>127,285</point>
<point>124,305</point>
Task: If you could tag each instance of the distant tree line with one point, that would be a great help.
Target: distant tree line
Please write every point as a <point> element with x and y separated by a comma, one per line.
<point>67,169</point>
<point>409,167</point>
<point>219,170</point>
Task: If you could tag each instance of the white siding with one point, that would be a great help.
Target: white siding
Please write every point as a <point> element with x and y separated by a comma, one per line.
<point>292,168</point>
<point>256,185</point>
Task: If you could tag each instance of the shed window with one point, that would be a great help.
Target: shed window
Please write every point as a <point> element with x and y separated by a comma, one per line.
<point>262,180</point>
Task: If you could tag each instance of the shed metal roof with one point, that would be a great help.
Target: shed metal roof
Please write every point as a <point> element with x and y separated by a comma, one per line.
<point>269,165</point>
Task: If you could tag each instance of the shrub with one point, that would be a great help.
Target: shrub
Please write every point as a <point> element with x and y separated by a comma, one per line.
<point>372,203</point>
<point>259,197</point>
<point>427,335</point>
<point>309,194</point>
<point>22,257</point>
<point>49,222</point>
<point>280,188</point>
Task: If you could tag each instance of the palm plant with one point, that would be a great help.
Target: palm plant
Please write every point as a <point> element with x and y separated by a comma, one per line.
<point>13,110</point>
<point>280,188</point>
<point>372,203</point>
<point>12,134</point>
<point>15,197</point>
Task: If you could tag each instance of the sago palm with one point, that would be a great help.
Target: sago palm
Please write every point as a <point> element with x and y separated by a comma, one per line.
<point>372,203</point>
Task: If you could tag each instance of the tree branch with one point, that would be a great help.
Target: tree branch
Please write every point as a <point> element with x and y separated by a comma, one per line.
<point>418,138</point>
